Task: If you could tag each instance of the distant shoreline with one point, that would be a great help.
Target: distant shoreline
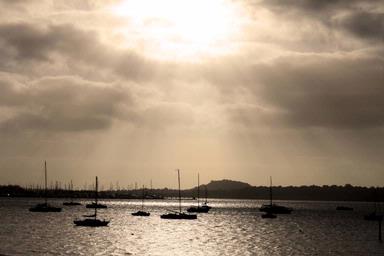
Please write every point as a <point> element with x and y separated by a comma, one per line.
<point>216,189</point>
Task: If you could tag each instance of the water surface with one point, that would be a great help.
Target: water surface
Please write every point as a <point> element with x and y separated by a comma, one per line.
<point>233,227</point>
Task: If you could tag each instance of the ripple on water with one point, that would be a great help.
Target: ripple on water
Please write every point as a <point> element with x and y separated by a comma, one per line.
<point>234,227</point>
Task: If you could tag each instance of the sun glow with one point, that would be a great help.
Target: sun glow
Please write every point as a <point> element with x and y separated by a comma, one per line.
<point>179,28</point>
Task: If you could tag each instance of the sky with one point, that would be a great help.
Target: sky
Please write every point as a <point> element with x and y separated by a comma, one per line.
<point>131,90</point>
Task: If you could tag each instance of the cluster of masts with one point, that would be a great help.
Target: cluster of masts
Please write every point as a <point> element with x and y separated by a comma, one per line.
<point>92,220</point>
<point>68,186</point>
<point>270,210</point>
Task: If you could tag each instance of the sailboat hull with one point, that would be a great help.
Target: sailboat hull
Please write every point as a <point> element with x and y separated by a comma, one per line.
<point>276,209</point>
<point>199,209</point>
<point>98,206</point>
<point>44,208</point>
<point>141,213</point>
<point>178,216</point>
<point>268,215</point>
<point>91,223</point>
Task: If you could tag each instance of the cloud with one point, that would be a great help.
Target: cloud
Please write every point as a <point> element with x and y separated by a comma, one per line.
<point>62,104</point>
<point>368,25</point>
<point>333,92</point>
<point>363,19</point>
<point>28,45</point>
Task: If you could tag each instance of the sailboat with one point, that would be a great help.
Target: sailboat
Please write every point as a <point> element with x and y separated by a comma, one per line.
<point>174,215</point>
<point>92,220</point>
<point>199,208</point>
<point>96,204</point>
<point>71,203</point>
<point>45,207</point>
<point>274,208</point>
<point>142,212</point>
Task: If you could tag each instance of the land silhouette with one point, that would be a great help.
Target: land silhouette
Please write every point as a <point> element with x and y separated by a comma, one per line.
<point>216,189</point>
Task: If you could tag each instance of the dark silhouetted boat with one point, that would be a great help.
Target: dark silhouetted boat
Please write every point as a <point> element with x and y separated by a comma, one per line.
<point>92,220</point>
<point>71,203</point>
<point>344,208</point>
<point>274,208</point>
<point>173,215</point>
<point>142,212</point>
<point>268,215</point>
<point>96,205</point>
<point>204,208</point>
<point>45,207</point>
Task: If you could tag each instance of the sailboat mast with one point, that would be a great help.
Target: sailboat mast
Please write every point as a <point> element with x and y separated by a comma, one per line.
<point>45,175</point>
<point>198,189</point>
<point>178,178</point>
<point>72,193</point>
<point>96,187</point>
<point>270,190</point>
<point>206,194</point>
<point>142,200</point>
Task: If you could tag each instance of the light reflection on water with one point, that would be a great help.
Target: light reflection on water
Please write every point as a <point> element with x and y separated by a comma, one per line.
<point>233,227</point>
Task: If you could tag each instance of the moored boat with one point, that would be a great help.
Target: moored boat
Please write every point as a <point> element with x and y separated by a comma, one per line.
<point>178,216</point>
<point>268,215</point>
<point>94,205</point>
<point>274,208</point>
<point>142,213</point>
<point>45,207</point>
<point>173,215</point>
<point>92,220</point>
<point>199,208</point>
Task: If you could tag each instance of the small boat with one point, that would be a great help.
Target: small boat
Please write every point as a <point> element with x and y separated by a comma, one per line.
<point>199,208</point>
<point>173,215</point>
<point>268,215</point>
<point>344,208</point>
<point>45,207</point>
<point>92,220</point>
<point>141,213</point>
<point>71,203</point>
<point>96,205</point>
<point>205,204</point>
<point>274,208</point>
<point>178,216</point>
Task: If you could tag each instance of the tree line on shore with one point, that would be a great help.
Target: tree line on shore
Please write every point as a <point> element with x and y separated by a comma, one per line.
<point>215,189</point>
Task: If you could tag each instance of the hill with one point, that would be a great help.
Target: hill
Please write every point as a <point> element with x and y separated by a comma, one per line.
<point>226,185</point>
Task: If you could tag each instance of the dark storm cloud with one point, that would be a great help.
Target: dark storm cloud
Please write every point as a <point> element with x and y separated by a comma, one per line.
<point>312,5</point>
<point>365,25</point>
<point>363,19</point>
<point>61,104</point>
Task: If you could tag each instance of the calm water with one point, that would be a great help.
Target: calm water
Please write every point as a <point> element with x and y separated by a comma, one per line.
<point>233,227</point>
